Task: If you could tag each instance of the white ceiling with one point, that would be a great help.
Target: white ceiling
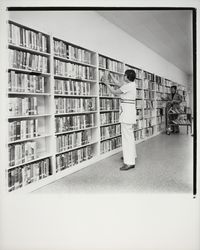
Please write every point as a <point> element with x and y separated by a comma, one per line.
<point>167,32</point>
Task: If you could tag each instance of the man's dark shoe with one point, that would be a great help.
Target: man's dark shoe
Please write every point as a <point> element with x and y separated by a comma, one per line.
<point>127,167</point>
<point>122,158</point>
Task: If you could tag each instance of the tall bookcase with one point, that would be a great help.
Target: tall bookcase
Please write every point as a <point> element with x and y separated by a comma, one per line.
<point>110,128</point>
<point>29,107</point>
<point>61,118</point>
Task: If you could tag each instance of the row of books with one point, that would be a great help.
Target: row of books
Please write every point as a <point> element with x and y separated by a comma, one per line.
<point>168,83</point>
<point>159,127</point>
<point>74,122</point>
<point>65,50</point>
<point>109,104</point>
<point>139,135</point>
<point>72,140</point>
<point>151,86</point>
<point>149,104</point>
<point>139,124</point>
<point>159,87</point>
<point>67,105</point>
<point>111,144</point>
<point>159,80</point>
<point>74,157</point>
<point>103,75</point>
<point>138,83</point>
<point>22,176</point>
<point>21,36</point>
<point>160,104</point>
<point>149,112</point>
<point>73,70</point>
<point>139,94</point>
<point>149,76</point>
<point>139,103</point>
<point>109,117</point>
<point>159,96</point>
<point>159,119</point>
<point>19,130</point>
<point>167,90</point>
<point>139,114</point>
<point>22,152</point>
<point>22,106</point>
<point>109,131</point>
<point>149,131</point>
<point>71,87</point>
<point>149,122</point>
<point>150,94</point>
<point>25,83</point>
<point>104,91</point>
<point>28,61</point>
<point>110,64</point>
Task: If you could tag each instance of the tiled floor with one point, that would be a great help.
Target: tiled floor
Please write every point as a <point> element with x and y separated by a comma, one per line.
<point>164,164</point>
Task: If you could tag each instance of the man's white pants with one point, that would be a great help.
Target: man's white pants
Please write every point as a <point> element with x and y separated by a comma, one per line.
<point>128,144</point>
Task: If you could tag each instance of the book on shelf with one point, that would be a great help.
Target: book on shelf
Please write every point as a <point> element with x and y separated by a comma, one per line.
<point>72,140</point>
<point>73,157</point>
<point>25,83</point>
<point>73,70</point>
<point>159,127</point>
<point>149,131</point>
<point>139,135</point>
<point>110,64</point>
<point>22,106</point>
<point>22,176</point>
<point>139,114</point>
<point>111,144</point>
<point>139,94</point>
<point>138,83</point>
<point>139,124</point>
<point>110,131</point>
<point>109,117</point>
<point>63,49</point>
<point>71,87</point>
<point>152,95</point>
<point>28,61</point>
<point>74,122</point>
<point>68,105</point>
<point>25,37</point>
<point>109,104</point>
<point>21,153</point>
<point>139,104</point>
<point>146,94</point>
<point>158,119</point>
<point>104,91</point>
<point>19,130</point>
<point>147,112</point>
<point>149,76</point>
<point>103,75</point>
<point>168,83</point>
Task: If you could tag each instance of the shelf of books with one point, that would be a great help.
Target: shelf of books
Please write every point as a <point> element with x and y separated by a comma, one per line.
<point>110,128</point>
<point>61,117</point>
<point>75,98</point>
<point>160,110</point>
<point>29,153</point>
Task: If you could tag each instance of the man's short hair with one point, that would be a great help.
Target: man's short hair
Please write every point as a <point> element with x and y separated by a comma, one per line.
<point>131,75</point>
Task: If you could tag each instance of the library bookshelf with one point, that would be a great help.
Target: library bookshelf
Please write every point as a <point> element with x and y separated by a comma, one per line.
<point>61,118</point>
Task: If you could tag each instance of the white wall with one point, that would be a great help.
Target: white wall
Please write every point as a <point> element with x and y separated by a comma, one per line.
<point>92,31</point>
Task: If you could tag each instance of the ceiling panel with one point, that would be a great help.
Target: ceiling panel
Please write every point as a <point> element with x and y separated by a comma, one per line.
<point>167,32</point>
